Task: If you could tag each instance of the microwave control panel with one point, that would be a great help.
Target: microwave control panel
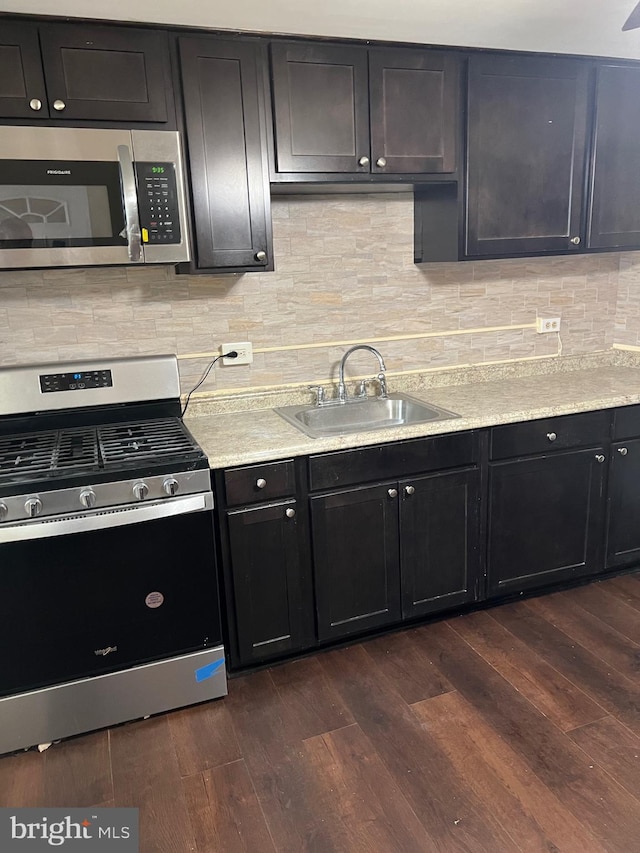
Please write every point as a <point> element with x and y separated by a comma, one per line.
<point>158,202</point>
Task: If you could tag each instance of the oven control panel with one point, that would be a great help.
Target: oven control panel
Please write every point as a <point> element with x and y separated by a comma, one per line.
<point>75,381</point>
<point>158,202</point>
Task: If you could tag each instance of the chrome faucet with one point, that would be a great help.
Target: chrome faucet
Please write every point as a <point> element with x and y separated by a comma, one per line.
<point>342,391</point>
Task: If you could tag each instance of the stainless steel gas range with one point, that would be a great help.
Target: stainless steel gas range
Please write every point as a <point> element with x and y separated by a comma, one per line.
<point>109,604</point>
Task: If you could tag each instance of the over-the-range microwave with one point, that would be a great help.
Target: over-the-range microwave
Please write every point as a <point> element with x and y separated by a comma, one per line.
<point>80,197</point>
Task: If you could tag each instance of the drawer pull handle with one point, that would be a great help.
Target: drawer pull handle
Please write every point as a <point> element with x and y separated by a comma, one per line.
<point>622,451</point>
<point>290,513</point>
<point>261,483</point>
<point>393,493</point>
<point>409,490</point>
<point>551,436</point>
<point>599,458</point>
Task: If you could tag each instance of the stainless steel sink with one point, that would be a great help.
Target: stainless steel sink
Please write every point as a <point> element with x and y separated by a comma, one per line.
<point>362,415</point>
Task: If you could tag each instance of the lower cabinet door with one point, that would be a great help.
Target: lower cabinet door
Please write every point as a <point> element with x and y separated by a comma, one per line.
<point>356,560</point>
<point>623,529</point>
<point>545,519</point>
<point>439,541</point>
<point>267,576</point>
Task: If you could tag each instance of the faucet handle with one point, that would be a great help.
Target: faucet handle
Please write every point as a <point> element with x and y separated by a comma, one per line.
<point>362,388</point>
<point>319,391</point>
<point>382,382</point>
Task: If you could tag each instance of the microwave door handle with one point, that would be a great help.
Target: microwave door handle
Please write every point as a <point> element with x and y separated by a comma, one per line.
<point>130,198</point>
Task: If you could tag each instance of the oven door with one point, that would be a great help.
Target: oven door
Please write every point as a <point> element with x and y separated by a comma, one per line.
<point>86,595</point>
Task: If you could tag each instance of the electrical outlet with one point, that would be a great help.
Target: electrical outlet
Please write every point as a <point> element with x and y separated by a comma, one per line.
<point>244,350</point>
<point>548,324</point>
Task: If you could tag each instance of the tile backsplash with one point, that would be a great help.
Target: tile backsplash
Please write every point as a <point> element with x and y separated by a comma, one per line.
<point>344,273</point>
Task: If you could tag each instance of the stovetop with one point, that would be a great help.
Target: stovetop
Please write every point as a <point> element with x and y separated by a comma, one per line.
<point>114,448</point>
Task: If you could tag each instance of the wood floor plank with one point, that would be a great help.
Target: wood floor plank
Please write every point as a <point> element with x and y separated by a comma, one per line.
<point>592,633</point>
<point>146,776</point>
<point>438,795</point>
<point>22,780</point>
<point>600,601</point>
<point>312,705</point>
<point>533,815</point>
<point>604,807</point>
<point>618,695</point>
<point>279,770</point>
<point>203,737</point>
<point>225,813</point>
<point>358,790</point>
<point>627,588</point>
<point>614,748</point>
<point>409,670</point>
<point>78,772</point>
<point>550,692</point>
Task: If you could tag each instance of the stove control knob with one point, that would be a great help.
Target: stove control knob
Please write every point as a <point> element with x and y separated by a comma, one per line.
<point>140,491</point>
<point>3,511</point>
<point>171,486</point>
<point>88,498</point>
<point>33,507</point>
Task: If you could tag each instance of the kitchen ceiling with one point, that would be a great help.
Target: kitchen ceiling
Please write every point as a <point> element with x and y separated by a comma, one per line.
<point>569,26</point>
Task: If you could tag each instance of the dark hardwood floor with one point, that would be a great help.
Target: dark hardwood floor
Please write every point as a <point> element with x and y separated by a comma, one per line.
<point>511,729</point>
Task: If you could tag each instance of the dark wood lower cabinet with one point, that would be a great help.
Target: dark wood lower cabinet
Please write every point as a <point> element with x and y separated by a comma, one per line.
<point>356,560</point>
<point>439,541</point>
<point>623,511</point>
<point>545,519</point>
<point>267,576</point>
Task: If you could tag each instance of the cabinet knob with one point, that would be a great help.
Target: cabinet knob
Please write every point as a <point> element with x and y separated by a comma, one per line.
<point>393,493</point>
<point>381,162</point>
<point>35,104</point>
<point>59,105</point>
<point>261,483</point>
<point>599,457</point>
<point>409,490</point>
<point>576,241</point>
<point>622,451</point>
<point>551,436</point>
<point>363,161</point>
<point>290,513</point>
<point>261,257</point>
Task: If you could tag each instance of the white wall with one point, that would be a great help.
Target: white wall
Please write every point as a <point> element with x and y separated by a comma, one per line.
<point>565,26</point>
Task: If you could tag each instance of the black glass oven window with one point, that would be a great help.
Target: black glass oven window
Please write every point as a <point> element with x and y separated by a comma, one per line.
<point>49,203</point>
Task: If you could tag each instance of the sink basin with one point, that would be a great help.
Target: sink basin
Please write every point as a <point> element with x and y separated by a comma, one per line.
<point>362,415</point>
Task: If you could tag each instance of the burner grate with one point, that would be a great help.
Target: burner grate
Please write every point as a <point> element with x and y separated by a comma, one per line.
<point>76,448</point>
<point>30,453</point>
<point>144,441</point>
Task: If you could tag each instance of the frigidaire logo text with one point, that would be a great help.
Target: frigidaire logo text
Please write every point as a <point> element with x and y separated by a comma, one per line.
<point>57,832</point>
<point>58,171</point>
<point>105,652</point>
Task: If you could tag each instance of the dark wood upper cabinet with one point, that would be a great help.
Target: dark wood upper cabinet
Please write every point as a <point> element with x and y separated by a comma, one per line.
<point>527,122</point>
<point>614,211</point>
<point>321,107</point>
<point>350,109</point>
<point>414,100</point>
<point>223,99</point>
<point>83,73</point>
<point>22,89</point>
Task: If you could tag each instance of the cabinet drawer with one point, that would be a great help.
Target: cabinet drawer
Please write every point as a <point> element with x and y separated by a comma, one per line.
<point>626,423</point>
<point>392,461</point>
<point>256,483</point>
<point>549,434</point>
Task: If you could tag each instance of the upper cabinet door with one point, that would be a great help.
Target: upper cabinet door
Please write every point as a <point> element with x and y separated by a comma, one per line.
<point>222,90</point>
<point>321,108</point>
<point>414,107</point>
<point>105,73</point>
<point>526,154</point>
<point>22,91</point>
<point>614,211</point>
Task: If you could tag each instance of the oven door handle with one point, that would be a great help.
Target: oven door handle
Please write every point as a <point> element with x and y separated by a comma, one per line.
<point>130,199</point>
<point>117,517</point>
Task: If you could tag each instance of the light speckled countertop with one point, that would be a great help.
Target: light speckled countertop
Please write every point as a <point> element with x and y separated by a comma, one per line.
<point>482,396</point>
